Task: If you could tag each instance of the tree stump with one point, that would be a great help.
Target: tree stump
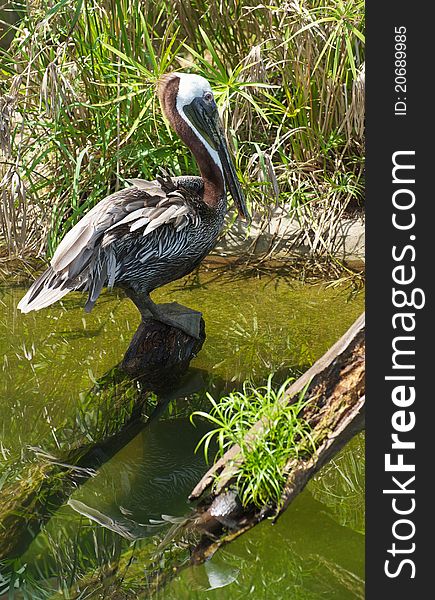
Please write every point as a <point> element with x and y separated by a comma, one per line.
<point>160,354</point>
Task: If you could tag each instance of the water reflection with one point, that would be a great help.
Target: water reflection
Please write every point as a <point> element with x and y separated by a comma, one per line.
<point>101,534</point>
<point>149,478</point>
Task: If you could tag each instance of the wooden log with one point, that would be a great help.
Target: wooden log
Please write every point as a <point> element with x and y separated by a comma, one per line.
<point>159,354</point>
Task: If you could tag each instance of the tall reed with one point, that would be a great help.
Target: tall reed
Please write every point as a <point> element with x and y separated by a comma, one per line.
<point>78,111</point>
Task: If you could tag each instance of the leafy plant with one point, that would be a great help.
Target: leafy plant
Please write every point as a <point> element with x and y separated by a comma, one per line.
<point>284,434</point>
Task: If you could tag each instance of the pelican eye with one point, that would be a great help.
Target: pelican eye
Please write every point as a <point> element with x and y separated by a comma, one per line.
<point>208,97</point>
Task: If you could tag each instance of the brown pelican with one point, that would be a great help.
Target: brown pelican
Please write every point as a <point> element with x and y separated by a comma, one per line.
<point>153,232</point>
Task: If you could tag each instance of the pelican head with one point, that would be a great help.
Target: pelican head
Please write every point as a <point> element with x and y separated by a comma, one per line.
<point>188,103</point>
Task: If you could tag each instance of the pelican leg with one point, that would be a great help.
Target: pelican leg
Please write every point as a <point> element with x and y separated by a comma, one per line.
<point>171,313</point>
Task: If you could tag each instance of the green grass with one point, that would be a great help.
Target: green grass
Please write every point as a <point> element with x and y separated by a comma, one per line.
<point>259,473</point>
<point>78,113</point>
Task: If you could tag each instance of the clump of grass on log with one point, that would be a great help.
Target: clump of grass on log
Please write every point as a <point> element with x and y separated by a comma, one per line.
<point>79,114</point>
<point>260,473</point>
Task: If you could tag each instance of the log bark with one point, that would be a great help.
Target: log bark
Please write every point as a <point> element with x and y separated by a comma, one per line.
<point>159,354</point>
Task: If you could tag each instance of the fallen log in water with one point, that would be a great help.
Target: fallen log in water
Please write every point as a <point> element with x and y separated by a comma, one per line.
<point>335,387</point>
<point>111,414</point>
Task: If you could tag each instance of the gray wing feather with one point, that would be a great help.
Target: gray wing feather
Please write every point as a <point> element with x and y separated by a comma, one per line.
<point>164,213</point>
<point>151,187</point>
<point>143,205</point>
<point>85,257</point>
<point>75,241</point>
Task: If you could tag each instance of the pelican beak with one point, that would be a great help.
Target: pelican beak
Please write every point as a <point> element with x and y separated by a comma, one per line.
<point>231,178</point>
<point>205,117</point>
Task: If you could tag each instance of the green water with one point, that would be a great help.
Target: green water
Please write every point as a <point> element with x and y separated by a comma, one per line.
<point>115,520</point>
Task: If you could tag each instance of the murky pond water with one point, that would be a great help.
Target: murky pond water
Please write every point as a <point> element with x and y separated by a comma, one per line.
<point>107,529</point>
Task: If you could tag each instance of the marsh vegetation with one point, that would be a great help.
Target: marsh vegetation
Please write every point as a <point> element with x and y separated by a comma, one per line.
<point>78,112</point>
<point>260,478</point>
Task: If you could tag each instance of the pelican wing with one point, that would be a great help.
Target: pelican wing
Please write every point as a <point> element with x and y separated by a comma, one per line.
<point>170,209</point>
<point>85,258</point>
<point>147,205</point>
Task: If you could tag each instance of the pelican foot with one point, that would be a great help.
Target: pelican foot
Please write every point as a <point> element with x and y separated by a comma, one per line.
<point>177,315</point>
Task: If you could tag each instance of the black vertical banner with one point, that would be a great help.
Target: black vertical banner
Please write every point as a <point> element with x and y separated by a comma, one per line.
<point>400,332</point>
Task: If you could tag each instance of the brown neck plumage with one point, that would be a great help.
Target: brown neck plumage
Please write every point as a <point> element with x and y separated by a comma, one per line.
<point>167,91</point>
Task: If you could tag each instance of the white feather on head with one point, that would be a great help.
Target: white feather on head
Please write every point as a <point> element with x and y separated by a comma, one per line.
<point>190,87</point>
